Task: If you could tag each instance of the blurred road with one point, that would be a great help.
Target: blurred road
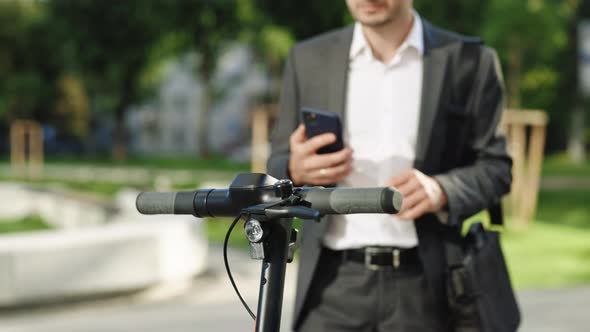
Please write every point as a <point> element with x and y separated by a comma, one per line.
<point>209,304</point>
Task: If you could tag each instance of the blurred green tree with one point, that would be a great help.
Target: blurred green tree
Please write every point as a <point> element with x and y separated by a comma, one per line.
<point>535,40</point>
<point>528,35</point>
<point>27,67</point>
<point>537,48</point>
<point>113,46</point>
<point>72,106</point>
<point>110,44</point>
<point>305,19</point>
<point>463,16</point>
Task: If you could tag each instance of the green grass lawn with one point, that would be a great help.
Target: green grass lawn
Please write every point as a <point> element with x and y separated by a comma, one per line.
<point>548,255</point>
<point>28,224</point>
<point>555,250</point>
<point>560,165</point>
<point>217,228</point>
<point>565,207</point>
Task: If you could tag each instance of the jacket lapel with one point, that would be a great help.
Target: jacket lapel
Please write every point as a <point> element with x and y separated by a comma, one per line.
<point>434,72</point>
<point>337,78</point>
<point>338,72</point>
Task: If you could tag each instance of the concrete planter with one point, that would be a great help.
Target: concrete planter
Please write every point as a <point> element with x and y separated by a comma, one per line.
<point>55,265</point>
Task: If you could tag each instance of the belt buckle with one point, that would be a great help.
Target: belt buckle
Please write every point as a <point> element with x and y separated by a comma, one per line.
<point>368,264</point>
<point>395,261</point>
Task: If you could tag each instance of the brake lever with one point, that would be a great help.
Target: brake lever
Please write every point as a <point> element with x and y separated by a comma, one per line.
<point>300,212</point>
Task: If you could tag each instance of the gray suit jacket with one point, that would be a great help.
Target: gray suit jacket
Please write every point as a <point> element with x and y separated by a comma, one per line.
<point>476,178</point>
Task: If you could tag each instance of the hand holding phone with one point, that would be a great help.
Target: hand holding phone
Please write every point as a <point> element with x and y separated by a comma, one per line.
<point>320,122</point>
<point>308,167</point>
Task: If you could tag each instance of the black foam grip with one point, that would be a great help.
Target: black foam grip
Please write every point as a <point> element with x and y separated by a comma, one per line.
<point>354,200</point>
<point>166,202</point>
<point>155,203</point>
<point>184,202</point>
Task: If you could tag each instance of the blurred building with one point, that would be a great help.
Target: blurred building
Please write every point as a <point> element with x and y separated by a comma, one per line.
<point>168,125</point>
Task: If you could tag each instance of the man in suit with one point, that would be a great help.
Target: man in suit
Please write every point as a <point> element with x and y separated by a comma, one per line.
<point>390,78</point>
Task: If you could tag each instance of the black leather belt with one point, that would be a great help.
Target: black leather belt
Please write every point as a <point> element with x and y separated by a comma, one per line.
<point>379,258</point>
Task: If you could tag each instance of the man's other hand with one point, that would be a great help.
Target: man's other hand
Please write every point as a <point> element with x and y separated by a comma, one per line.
<point>306,166</point>
<point>422,194</point>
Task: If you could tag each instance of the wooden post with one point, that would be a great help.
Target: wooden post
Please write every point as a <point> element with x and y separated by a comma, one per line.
<point>517,149</point>
<point>26,148</point>
<point>261,119</point>
<point>536,147</point>
<point>35,150</point>
<point>17,149</point>
<point>527,163</point>
<point>259,139</point>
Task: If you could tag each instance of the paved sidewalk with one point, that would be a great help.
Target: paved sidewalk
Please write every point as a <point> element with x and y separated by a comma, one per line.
<point>557,310</point>
<point>210,305</point>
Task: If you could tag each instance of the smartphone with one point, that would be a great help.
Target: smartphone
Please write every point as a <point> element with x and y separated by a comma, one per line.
<point>319,122</point>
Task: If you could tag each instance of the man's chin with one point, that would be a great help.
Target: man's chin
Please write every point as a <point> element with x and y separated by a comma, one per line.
<point>373,22</point>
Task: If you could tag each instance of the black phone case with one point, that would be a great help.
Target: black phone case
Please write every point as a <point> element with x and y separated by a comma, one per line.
<point>319,122</point>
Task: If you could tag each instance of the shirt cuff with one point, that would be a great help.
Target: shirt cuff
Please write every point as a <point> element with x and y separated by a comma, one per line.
<point>436,193</point>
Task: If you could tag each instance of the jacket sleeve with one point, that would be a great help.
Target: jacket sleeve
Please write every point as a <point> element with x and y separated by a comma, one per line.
<point>481,184</point>
<point>286,122</point>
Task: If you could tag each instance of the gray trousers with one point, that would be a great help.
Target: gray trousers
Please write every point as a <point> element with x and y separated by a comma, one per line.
<point>347,296</point>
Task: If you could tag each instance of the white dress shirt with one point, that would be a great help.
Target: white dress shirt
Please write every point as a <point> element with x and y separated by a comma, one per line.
<point>382,113</point>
